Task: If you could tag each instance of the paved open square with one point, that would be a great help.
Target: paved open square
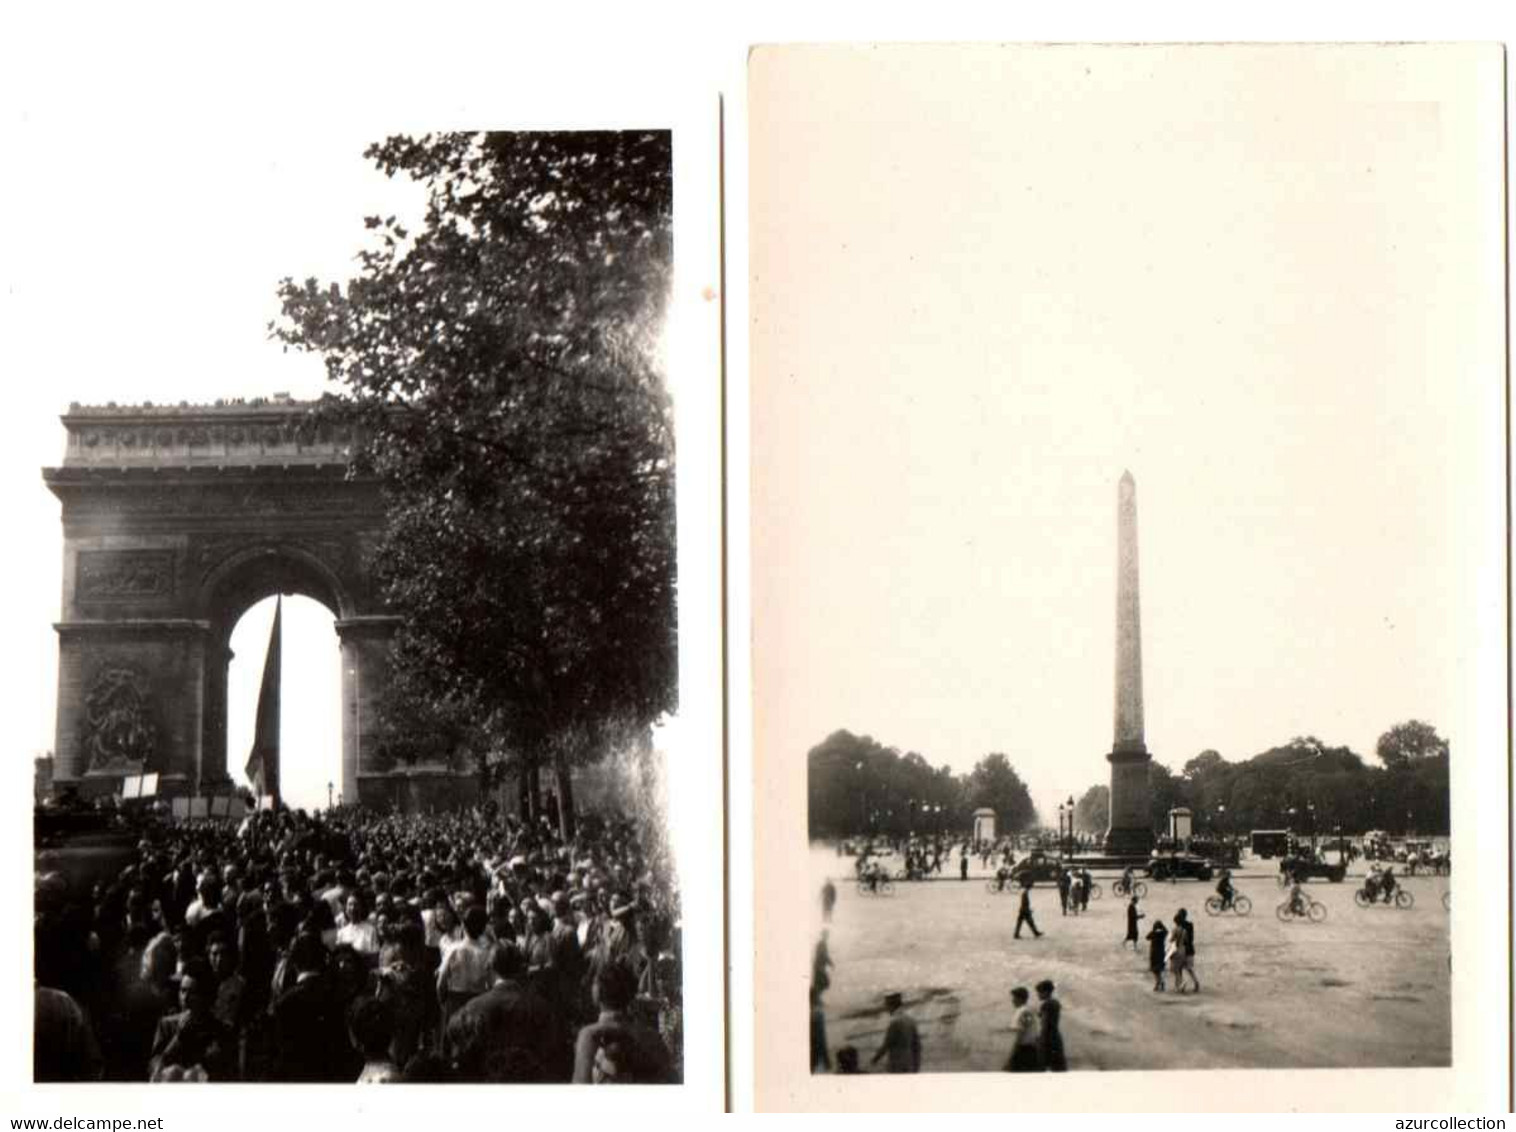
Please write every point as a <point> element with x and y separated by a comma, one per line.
<point>1368,987</point>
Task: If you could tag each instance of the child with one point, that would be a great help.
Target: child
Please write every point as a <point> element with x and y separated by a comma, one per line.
<point>1132,916</point>
<point>1157,952</point>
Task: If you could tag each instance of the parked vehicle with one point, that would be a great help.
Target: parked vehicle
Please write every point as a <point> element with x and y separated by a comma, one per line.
<point>1308,868</point>
<point>1182,866</point>
<point>1270,843</point>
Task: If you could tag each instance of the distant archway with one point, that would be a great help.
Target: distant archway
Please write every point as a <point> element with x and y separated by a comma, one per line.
<point>175,522</point>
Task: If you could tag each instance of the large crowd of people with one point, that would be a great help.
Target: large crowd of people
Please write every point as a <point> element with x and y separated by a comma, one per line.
<point>354,946</point>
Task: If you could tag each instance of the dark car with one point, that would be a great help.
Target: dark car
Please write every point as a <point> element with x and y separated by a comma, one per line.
<point>1182,866</point>
<point>1304,869</point>
<point>1037,867</point>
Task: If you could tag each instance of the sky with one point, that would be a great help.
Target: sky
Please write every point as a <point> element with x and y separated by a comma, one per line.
<point>987,282</point>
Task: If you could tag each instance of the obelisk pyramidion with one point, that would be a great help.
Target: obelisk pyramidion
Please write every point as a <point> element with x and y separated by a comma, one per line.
<point>1131,832</point>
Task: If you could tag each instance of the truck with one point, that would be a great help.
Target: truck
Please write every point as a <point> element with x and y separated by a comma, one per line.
<point>1270,843</point>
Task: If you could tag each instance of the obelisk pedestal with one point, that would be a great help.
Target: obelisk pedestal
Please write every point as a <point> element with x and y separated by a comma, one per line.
<point>1131,831</point>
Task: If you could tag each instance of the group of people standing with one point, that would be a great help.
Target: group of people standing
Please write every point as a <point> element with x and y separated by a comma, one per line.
<point>1170,953</point>
<point>364,947</point>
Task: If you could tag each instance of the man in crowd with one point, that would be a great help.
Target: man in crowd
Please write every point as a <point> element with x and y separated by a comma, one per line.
<point>902,1040</point>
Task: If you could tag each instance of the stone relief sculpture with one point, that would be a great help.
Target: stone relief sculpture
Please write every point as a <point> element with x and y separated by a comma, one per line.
<point>119,733</point>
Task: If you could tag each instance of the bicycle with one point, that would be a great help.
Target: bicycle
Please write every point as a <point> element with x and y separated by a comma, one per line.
<point>1000,888</point>
<point>1314,910</point>
<point>883,887</point>
<point>1240,904</point>
<point>1136,888</point>
<point>1403,899</point>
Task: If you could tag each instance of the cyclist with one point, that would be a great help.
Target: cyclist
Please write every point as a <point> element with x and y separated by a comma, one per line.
<point>1387,882</point>
<point>1002,875</point>
<point>1224,888</point>
<point>1124,886</point>
<point>1298,904</point>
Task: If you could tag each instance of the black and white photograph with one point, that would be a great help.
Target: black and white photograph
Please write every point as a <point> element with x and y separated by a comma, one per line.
<point>541,538</point>
<point>360,720</point>
<point>1127,557</point>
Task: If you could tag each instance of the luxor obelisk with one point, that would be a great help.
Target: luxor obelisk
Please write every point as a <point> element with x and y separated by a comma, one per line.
<point>1131,832</point>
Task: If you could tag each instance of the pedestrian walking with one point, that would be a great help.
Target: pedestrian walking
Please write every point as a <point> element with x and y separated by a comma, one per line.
<point>828,900</point>
<point>902,1041</point>
<point>1050,1037</point>
<point>821,1058</point>
<point>1027,1027</point>
<point>1132,916</point>
<point>1158,939</point>
<point>1185,929</point>
<point>963,865</point>
<point>1086,882</point>
<point>1024,913</point>
<point>1065,882</point>
<point>1173,956</point>
<point>821,963</point>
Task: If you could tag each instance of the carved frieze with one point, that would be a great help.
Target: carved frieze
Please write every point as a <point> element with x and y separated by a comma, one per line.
<point>124,575</point>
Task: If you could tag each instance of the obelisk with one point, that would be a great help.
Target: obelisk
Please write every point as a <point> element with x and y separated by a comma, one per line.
<point>1131,832</point>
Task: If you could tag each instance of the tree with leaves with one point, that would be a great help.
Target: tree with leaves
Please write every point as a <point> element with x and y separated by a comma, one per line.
<point>503,364</point>
<point>1409,741</point>
<point>995,783</point>
<point>1092,813</point>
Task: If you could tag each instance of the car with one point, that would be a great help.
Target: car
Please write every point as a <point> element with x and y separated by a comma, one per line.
<point>1304,869</point>
<point>1037,866</point>
<point>1184,866</point>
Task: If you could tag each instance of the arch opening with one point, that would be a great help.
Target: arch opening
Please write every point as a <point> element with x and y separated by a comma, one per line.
<point>310,723</point>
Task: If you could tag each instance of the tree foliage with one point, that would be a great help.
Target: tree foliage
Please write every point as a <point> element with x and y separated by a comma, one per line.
<point>1308,785</point>
<point>1092,813</point>
<point>857,785</point>
<point>504,367</point>
<point>1409,741</point>
<point>995,783</point>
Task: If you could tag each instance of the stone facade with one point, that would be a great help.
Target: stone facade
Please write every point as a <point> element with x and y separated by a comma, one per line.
<point>175,521</point>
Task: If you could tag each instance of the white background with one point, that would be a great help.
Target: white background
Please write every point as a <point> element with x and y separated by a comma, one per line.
<point>142,87</point>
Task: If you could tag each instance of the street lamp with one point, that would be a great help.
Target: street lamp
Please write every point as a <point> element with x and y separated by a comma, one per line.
<point>329,795</point>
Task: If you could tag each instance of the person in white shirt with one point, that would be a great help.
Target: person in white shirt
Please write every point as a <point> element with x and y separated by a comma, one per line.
<point>208,900</point>
<point>466,968</point>
<point>1027,1027</point>
<point>357,930</point>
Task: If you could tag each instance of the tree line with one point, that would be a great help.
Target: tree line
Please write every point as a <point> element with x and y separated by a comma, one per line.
<point>1304,785</point>
<point>858,785</point>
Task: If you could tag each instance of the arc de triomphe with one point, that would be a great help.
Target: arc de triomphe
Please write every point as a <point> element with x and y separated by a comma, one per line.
<point>175,521</point>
